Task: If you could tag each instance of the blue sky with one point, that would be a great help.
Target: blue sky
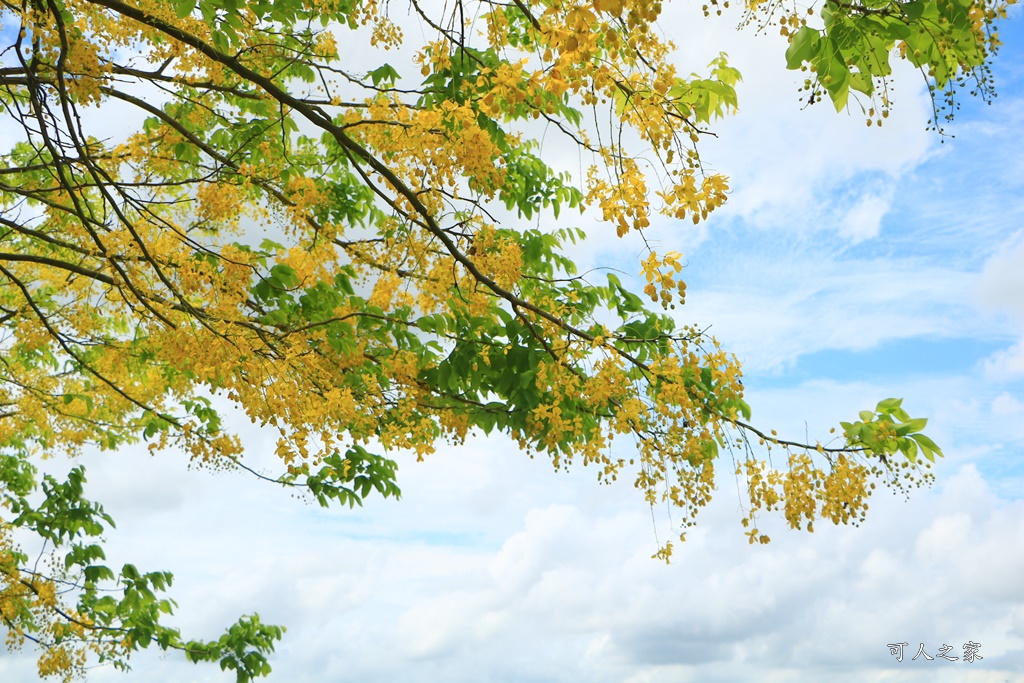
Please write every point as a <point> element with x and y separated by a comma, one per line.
<point>850,265</point>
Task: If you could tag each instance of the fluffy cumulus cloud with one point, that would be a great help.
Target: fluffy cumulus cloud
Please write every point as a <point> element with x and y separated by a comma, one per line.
<point>1007,364</point>
<point>492,567</point>
<point>569,592</point>
<point>1005,405</point>
<point>788,162</point>
<point>864,220</point>
<point>799,172</point>
<point>772,306</point>
<point>1002,278</point>
<point>1001,288</point>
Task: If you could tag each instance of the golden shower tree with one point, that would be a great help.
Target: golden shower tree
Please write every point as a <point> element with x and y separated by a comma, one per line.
<point>338,250</point>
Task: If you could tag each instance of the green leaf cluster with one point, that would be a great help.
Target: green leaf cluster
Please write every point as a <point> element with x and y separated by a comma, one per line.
<point>947,39</point>
<point>888,430</point>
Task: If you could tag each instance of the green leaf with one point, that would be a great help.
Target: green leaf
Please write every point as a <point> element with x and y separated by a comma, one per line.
<point>914,425</point>
<point>926,444</point>
<point>383,73</point>
<point>183,8</point>
<point>888,405</point>
<point>270,246</point>
<point>709,449</point>
<point>803,48</point>
<point>913,10</point>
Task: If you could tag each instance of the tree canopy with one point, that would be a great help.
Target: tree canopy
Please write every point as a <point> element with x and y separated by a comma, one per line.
<point>342,249</point>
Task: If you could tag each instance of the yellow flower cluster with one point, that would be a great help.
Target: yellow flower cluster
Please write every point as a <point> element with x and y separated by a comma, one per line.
<point>219,203</point>
<point>685,198</point>
<point>623,201</point>
<point>660,276</point>
<point>29,607</point>
<point>806,491</point>
<point>499,257</point>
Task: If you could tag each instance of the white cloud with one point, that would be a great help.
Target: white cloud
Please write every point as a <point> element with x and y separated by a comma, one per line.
<point>773,305</point>
<point>1007,364</point>
<point>1005,405</point>
<point>787,162</point>
<point>1001,285</point>
<point>1001,288</point>
<point>556,582</point>
<point>864,220</point>
<point>795,171</point>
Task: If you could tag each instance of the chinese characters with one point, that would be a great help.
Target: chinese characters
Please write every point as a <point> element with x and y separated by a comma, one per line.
<point>970,652</point>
